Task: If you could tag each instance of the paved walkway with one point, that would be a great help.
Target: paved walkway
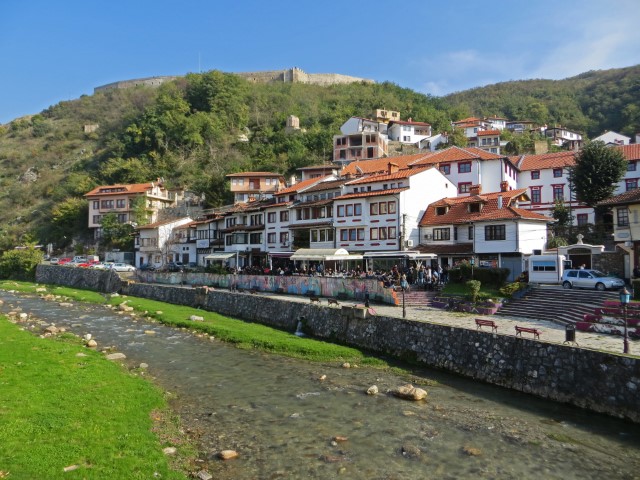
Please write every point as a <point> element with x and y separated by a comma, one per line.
<point>551,332</point>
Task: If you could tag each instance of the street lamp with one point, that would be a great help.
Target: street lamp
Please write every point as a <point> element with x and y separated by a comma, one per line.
<point>624,301</point>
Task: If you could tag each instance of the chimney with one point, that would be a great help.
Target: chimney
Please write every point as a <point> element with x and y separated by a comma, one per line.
<point>475,189</point>
<point>392,168</point>
<point>292,180</point>
<point>504,186</point>
<point>499,202</point>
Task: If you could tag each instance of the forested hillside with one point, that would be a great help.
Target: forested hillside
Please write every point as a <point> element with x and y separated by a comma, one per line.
<point>194,131</point>
<point>590,103</point>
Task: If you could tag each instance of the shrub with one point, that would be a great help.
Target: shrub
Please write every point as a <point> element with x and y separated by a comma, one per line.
<point>474,288</point>
<point>487,276</point>
<point>20,264</point>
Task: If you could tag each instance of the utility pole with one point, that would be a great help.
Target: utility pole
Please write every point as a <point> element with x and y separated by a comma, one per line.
<point>404,231</point>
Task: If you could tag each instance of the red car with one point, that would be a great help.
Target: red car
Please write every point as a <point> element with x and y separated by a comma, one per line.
<point>62,261</point>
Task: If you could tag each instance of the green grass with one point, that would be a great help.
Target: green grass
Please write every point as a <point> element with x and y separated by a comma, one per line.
<point>59,410</point>
<point>240,333</point>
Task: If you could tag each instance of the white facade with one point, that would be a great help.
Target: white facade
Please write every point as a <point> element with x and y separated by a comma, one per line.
<point>613,138</point>
<point>385,211</point>
<point>154,243</point>
<point>360,125</point>
<point>409,132</point>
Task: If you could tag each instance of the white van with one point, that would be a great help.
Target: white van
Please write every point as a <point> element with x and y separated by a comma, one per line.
<point>546,268</point>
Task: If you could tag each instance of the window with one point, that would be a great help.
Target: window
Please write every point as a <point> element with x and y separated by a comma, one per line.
<point>271,237</point>
<point>557,172</point>
<point>470,233</point>
<point>631,167</point>
<point>441,210</point>
<point>284,237</point>
<point>455,233</point>
<point>535,195</point>
<point>271,217</point>
<point>314,235</point>
<point>383,208</point>
<point>391,232</point>
<point>373,234</point>
<point>543,266</point>
<point>373,209</point>
<point>474,207</point>
<point>341,210</point>
<point>121,203</point>
<point>284,216</point>
<point>97,219</point>
<point>255,238</point>
<point>357,209</point>
<point>349,210</point>
<point>535,174</point>
<point>464,167</point>
<point>623,217</point>
<point>494,232</point>
<point>445,169</point>
<point>631,183</point>
<point>441,234</point>
<point>582,219</point>
<point>383,233</point>
<point>464,187</point>
<point>558,192</point>
<point>392,207</point>
<point>96,204</point>
<point>106,204</point>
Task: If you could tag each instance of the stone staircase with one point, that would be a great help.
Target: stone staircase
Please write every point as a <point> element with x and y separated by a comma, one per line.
<point>555,304</point>
<point>417,297</point>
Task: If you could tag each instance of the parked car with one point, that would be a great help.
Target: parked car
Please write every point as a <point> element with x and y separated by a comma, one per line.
<point>54,261</point>
<point>586,278</point>
<point>123,267</point>
<point>175,266</point>
<point>63,261</point>
<point>147,267</point>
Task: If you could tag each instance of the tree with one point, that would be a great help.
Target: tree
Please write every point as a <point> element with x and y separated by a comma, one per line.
<point>563,217</point>
<point>116,234</point>
<point>20,264</point>
<point>597,171</point>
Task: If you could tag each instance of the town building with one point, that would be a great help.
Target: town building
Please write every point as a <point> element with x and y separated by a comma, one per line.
<point>160,243</point>
<point>251,186</point>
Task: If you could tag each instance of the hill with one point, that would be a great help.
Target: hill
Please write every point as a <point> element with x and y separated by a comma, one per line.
<point>196,129</point>
<point>591,103</point>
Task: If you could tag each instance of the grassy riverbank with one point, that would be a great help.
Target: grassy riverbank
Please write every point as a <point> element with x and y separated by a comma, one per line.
<point>240,333</point>
<point>65,407</point>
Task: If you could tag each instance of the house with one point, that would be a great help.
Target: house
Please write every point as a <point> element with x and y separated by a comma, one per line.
<point>491,228</point>
<point>408,132</point>
<point>209,238</point>
<point>380,165</point>
<point>626,222</point>
<point>520,126</point>
<point>126,201</point>
<point>489,141</point>
<point>547,180</point>
<point>156,245</point>
<point>251,186</point>
<point>243,231</point>
<point>385,116</point>
<point>496,122</point>
<point>471,126</point>
<point>632,176</point>
<point>380,212</point>
<point>565,138</point>
<point>358,146</point>
<point>472,166</point>
<point>613,138</point>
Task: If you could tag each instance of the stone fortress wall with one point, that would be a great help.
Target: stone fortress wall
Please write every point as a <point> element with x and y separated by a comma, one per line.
<point>289,75</point>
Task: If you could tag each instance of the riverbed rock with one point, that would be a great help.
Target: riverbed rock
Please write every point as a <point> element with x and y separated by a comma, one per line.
<point>372,390</point>
<point>411,451</point>
<point>340,438</point>
<point>409,392</point>
<point>227,454</point>
<point>196,318</point>
<point>52,329</point>
<point>143,365</point>
<point>116,356</point>
<point>23,317</point>
<point>204,475</point>
<point>92,343</point>
<point>346,365</point>
<point>169,450</point>
<point>65,304</point>
<point>471,451</point>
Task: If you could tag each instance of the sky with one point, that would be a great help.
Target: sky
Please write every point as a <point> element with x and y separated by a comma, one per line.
<point>52,51</point>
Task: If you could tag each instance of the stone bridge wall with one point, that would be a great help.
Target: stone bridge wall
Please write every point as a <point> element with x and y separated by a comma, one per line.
<point>598,381</point>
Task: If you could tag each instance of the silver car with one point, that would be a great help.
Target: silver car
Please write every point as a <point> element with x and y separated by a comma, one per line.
<point>585,278</point>
<point>123,267</point>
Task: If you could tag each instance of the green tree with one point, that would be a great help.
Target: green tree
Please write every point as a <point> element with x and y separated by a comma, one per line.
<point>116,234</point>
<point>20,264</point>
<point>563,217</point>
<point>596,173</point>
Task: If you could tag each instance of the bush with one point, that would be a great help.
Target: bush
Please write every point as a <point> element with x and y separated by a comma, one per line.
<point>511,288</point>
<point>487,276</point>
<point>474,288</point>
<point>20,264</point>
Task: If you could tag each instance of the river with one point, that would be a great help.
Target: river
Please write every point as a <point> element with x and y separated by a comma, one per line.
<point>283,416</point>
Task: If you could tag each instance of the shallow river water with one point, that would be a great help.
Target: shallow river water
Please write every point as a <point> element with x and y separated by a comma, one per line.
<point>283,415</point>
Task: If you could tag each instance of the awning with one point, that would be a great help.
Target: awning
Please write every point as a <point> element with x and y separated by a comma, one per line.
<point>410,254</point>
<point>323,254</point>
<point>280,254</point>
<point>219,256</point>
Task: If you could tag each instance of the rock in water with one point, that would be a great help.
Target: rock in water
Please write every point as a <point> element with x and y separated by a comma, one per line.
<point>409,392</point>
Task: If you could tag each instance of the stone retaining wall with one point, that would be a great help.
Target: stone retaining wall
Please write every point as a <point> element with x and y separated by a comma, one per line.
<point>598,381</point>
<point>104,281</point>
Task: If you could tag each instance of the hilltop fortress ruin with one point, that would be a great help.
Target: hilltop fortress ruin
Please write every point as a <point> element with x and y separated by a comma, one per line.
<point>289,75</point>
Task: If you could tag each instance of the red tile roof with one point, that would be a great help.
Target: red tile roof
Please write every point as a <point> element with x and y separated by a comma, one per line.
<point>399,175</point>
<point>404,122</point>
<point>380,165</point>
<point>631,152</point>
<point>456,154</point>
<point>458,210</point>
<point>483,133</point>
<point>467,120</point>
<point>255,174</point>
<point>373,193</point>
<point>131,188</point>
<point>546,160</point>
<point>630,197</point>
<point>300,186</point>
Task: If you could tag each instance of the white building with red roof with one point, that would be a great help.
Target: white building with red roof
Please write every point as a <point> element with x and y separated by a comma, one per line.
<point>408,131</point>
<point>381,212</point>
<point>490,227</point>
<point>159,243</point>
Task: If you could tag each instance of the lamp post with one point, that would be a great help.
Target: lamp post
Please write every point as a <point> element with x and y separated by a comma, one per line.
<point>624,301</point>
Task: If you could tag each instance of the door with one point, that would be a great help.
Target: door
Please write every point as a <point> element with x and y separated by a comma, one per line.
<point>585,280</point>
<point>514,264</point>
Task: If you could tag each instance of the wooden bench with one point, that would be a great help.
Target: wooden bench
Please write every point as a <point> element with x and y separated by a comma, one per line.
<point>535,331</point>
<point>486,323</point>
